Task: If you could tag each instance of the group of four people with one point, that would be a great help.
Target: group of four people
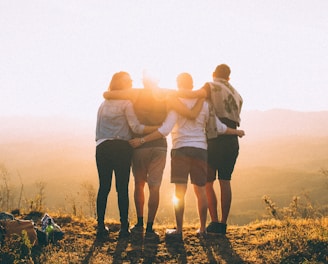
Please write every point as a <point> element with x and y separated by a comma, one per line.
<point>142,118</point>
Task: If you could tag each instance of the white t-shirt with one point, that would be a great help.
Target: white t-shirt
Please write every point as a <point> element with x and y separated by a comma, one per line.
<point>189,132</point>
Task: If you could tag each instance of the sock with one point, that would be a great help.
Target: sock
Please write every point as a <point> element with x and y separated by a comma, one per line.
<point>149,226</point>
<point>101,226</point>
<point>124,225</point>
<point>140,221</point>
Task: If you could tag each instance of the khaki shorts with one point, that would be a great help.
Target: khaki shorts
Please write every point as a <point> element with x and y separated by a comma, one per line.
<point>148,165</point>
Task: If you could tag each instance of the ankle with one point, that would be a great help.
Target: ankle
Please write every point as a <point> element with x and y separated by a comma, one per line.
<point>149,227</point>
<point>139,221</point>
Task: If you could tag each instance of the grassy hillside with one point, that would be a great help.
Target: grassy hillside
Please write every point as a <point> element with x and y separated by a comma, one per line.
<point>270,241</point>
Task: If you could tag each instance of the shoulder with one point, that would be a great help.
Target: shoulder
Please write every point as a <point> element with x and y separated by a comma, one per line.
<point>134,94</point>
<point>171,116</point>
<point>205,90</point>
<point>205,106</point>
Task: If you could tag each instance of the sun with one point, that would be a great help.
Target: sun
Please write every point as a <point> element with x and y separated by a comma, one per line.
<point>175,200</point>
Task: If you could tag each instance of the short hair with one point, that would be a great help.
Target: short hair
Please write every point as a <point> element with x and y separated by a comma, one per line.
<point>116,82</point>
<point>222,71</point>
<point>185,80</point>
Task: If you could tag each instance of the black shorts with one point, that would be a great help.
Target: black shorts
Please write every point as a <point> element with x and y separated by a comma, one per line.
<point>189,160</point>
<point>222,155</point>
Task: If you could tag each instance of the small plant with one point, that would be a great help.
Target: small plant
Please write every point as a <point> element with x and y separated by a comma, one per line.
<point>90,197</point>
<point>271,207</point>
<point>6,190</point>
<point>296,209</point>
<point>325,173</point>
<point>16,249</point>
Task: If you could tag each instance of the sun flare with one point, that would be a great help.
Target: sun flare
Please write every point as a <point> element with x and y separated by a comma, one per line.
<point>175,200</point>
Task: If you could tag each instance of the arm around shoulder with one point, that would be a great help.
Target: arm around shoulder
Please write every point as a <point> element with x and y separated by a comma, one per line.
<point>129,94</point>
<point>200,93</point>
<point>176,105</point>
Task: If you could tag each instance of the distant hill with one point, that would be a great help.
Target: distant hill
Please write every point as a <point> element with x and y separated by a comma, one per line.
<point>263,125</point>
<point>258,125</point>
<point>281,156</point>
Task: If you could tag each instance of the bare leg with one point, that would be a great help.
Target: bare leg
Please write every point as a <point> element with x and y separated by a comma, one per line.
<point>200,192</point>
<point>212,202</point>
<point>180,191</point>
<point>153,202</point>
<point>139,198</point>
<point>226,197</point>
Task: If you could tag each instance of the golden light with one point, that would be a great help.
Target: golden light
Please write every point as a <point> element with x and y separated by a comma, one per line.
<point>175,200</point>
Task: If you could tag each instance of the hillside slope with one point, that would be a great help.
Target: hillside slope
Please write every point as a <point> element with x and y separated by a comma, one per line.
<point>265,242</point>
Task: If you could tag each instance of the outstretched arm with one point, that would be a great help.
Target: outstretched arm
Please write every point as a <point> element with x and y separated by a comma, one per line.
<point>223,129</point>
<point>134,123</point>
<point>129,94</point>
<point>163,131</point>
<point>149,129</point>
<point>200,93</point>
<point>136,142</point>
<point>176,105</point>
<point>231,131</point>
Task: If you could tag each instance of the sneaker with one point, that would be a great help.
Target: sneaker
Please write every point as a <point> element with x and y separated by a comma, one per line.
<point>216,228</point>
<point>137,229</point>
<point>124,233</point>
<point>102,232</point>
<point>223,228</point>
<point>173,234</point>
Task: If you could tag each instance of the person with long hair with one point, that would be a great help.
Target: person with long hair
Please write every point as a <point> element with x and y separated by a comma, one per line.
<point>115,122</point>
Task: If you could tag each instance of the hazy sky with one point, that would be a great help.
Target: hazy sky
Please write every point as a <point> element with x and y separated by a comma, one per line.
<point>57,57</point>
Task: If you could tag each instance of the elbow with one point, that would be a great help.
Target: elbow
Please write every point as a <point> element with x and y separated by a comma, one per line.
<point>137,129</point>
<point>162,133</point>
<point>105,95</point>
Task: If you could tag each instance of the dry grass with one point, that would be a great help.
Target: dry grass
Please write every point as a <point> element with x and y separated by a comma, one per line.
<point>269,241</point>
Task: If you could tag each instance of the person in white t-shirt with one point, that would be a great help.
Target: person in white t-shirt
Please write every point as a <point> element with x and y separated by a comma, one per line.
<point>188,154</point>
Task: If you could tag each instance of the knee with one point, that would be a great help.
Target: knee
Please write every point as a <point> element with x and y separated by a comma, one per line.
<point>154,188</point>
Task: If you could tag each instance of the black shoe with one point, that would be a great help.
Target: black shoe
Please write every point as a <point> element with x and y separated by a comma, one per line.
<point>216,228</point>
<point>152,235</point>
<point>137,229</point>
<point>124,233</point>
<point>102,232</point>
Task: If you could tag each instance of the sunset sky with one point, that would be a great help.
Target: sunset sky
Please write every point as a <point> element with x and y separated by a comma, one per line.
<point>57,57</point>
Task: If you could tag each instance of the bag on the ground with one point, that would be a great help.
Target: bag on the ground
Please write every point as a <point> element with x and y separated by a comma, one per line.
<point>17,226</point>
<point>6,216</point>
<point>50,231</point>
